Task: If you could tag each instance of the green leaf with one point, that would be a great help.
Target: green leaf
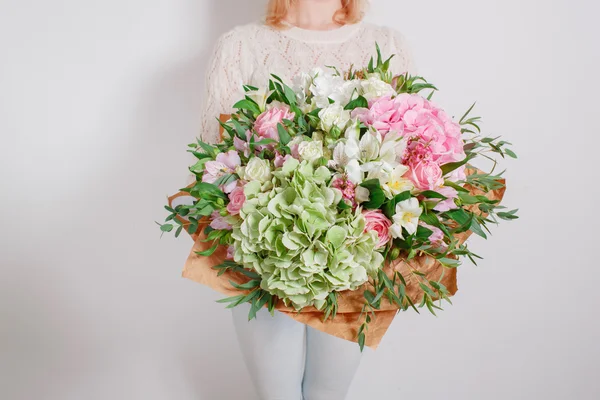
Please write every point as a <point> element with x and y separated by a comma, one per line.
<point>166,228</point>
<point>359,102</point>
<point>376,194</point>
<point>247,105</point>
<point>246,286</point>
<point>510,153</point>
<point>284,136</point>
<point>207,253</point>
<point>447,168</point>
<point>430,194</point>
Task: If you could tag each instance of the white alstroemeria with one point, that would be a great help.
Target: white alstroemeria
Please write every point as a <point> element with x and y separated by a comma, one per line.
<point>340,157</point>
<point>397,183</point>
<point>361,194</point>
<point>406,216</point>
<point>334,115</point>
<point>346,92</point>
<point>354,172</point>
<point>390,178</point>
<point>353,131</point>
<point>260,97</point>
<point>392,149</point>
<point>369,147</point>
<point>374,88</point>
<point>300,85</point>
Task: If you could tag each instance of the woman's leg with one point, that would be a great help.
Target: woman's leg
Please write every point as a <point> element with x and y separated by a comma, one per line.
<point>330,366</point>
<point>273,348</point>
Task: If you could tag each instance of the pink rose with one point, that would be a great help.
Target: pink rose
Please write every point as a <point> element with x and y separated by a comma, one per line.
<point>266,123</point>
<point>382,115</point>
<point>437,236</point>
<point>236,200</point>
<point>448,204</point>
<point>425,175</point>
<point>376,221</point>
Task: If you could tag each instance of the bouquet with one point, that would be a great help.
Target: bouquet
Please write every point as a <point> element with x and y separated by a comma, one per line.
<point>344,189</point>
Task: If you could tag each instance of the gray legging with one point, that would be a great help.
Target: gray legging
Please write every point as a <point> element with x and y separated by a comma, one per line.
<point>288,360</point>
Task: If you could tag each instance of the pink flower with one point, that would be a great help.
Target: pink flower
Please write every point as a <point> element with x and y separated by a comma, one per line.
<point>218,222</point>
<point>230,252</point>
<point>425,175</point>
<point>243,146</point>
<point>280,160</point>
<point>382,114</point>
<point>376,221</point>
<point>348,189</point>
<point>448,204</point>
<point>236,200</point>
<point>225,163</point>
<point>437,236</point>
<point>458,174</point>
<point>266,123</point>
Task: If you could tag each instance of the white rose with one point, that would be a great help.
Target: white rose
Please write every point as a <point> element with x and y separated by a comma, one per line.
<point>334,115</point>
<point>374,88</point>
<point>257,170</point>
<point>310,151</point>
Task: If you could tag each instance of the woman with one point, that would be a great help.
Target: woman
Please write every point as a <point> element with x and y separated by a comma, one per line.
<point>286,359</point>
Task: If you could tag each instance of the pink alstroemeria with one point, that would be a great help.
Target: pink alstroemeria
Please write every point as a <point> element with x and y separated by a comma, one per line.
<point>218,222</point>
<point>445,205</point>
<point>225,163</point>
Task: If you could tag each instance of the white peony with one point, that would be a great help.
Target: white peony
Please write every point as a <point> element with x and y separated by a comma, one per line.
<point>310,151</point>
<point>374,88</point>
<point>407,217</point>
<point>334,115</point>
<point>257,169</point>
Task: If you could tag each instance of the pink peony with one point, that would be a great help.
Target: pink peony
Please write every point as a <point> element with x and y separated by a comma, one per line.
<point>437,236</point>
<point>382,115</point>
<point>376,221</point>
<point>225,163</point>
<point>236,200</point>
<point>218,222</point>
<point>266,123</point>
<point>448,204</point>
<point>425,175</point>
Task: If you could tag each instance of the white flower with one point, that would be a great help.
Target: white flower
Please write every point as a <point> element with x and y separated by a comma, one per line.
<point>310,151</point>
<point>260,97</point>
<point>324,84</point>
<point>374,88</point>
<point>334,115</point>
<point>392,149</point>
<point>361,194</point>
<point>353,131</point>
<point>369,147</point>
<point>354,172</point>
<point>390,178</point>
<point>406,216</point>
<point>256,170</point>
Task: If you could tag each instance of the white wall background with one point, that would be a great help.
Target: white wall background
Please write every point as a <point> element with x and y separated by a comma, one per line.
<point>97,102</point>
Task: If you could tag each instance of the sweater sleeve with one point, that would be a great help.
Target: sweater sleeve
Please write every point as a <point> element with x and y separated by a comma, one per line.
<point>223,85</point>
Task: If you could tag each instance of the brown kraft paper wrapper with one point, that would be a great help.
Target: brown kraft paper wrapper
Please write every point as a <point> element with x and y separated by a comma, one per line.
<point>348,320</point>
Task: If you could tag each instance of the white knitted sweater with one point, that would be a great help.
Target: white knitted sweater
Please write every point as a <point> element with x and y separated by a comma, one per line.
<point>248,54</point>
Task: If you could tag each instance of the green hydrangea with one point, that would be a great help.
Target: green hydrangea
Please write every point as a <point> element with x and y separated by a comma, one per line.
<point>292,233</point>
